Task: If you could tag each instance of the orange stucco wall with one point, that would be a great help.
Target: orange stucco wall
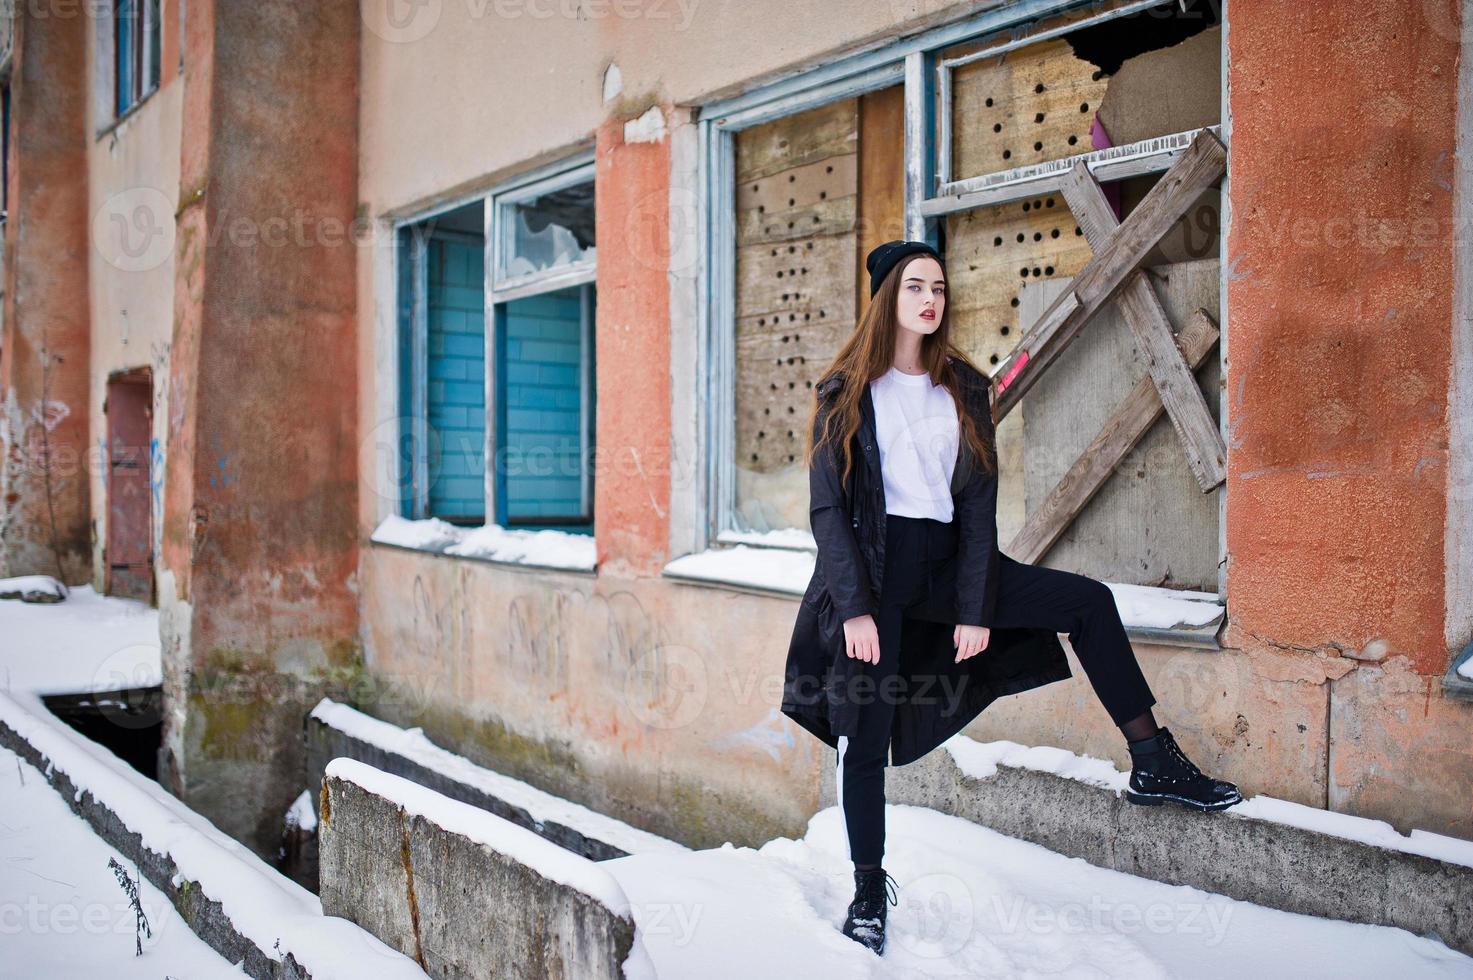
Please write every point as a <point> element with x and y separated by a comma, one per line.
<point>261,498</point>
<point>44,347</point>
<point>1340,286</point>
<point>632,473</point>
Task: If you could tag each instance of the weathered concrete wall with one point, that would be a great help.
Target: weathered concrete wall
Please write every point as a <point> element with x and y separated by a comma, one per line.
<point>464,899</point>
<point>1339,337</point>
<point>666,53</point>
<point>627,696</point>
<point>258,608</point>
<point>133,189</point>
<point>1272,864</point>
<point>44,359</point>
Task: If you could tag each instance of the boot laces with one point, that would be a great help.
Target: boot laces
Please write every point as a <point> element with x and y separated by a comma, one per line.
<point>879,887</point>
<point>1181,757</point>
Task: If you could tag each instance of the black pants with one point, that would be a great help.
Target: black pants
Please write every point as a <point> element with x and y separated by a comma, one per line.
<point>916,552</point>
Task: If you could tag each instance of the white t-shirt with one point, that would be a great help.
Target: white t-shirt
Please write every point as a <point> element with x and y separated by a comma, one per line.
<point>916,424</point>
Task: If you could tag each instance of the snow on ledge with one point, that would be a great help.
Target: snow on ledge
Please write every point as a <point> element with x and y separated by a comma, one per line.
<point>270,910</point>
<point>491,542</point>
<point>544,807</point>
<point>772,569</point>
<point>1151,607</point>
<point>979,760</point>
<point>778,568</point>
<point>483,827</point>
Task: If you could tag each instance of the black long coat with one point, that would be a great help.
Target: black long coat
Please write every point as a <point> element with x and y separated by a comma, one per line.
<point>939,696</point>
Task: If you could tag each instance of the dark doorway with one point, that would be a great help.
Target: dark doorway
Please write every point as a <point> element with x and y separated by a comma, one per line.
<point>129,549</point>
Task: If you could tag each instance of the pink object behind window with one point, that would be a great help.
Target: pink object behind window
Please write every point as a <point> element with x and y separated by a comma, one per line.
<point>1013,370</point>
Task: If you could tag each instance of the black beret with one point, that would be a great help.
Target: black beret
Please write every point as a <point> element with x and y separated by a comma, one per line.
<point>883,258</point>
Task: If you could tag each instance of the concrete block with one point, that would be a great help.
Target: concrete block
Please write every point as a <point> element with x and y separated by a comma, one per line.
<point>461,891</point>
<point>1243,857</point>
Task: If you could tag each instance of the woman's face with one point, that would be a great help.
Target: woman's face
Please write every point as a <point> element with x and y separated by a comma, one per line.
<point>922,297</point>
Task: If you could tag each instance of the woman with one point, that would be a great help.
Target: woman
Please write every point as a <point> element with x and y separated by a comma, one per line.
<point>914,621</point>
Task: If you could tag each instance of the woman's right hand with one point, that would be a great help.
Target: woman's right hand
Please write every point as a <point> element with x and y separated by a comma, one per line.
<point>862,638</point>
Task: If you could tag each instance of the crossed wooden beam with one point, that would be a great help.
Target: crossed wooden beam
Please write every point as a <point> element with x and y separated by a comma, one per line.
<point>1114,273</point>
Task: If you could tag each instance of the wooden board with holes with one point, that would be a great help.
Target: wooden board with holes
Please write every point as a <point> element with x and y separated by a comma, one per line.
<point>1028,106</point>
<point>796,205</point>
<point>992,255</point>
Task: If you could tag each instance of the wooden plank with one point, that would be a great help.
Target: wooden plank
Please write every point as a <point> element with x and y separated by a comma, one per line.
<point>881,181</point>
<point>1197,169</point>
<point>1185,406</point>
<point>1131,421</point>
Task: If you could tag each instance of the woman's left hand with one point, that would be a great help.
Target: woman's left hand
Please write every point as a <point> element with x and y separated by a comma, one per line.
<point>969,641</point>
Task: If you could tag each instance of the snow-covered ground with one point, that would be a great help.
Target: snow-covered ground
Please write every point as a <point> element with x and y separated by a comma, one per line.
<point>63,913</point>
<point>975,903</point>
<point>972,902</point>
<point>88,643</point>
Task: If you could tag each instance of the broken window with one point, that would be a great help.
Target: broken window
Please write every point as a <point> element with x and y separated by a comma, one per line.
<point>526,398</point>
<point>443,358</point>
<point>1133,81</point>
<point>974,136</point>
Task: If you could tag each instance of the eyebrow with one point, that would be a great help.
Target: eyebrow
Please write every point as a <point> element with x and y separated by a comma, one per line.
<point>919,279</point>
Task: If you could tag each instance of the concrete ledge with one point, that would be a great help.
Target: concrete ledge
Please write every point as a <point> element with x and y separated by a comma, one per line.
<point>1231,853</point>
<point>133,814</point>
<point>336,730</point>
<point>461,891</point>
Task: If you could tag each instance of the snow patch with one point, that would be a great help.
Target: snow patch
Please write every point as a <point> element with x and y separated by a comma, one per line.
<point>91,643</point>
<point>300,815</point>
<point>773,569</point>
<point>785,560</point>
<point>32,588</point>
<point>980,760</point>
<point>1150,607</point>
<point>648,128</point>
<point>491,542</point>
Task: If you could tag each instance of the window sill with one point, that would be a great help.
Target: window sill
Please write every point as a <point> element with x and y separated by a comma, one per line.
<point>1456,683</point>
<point>557,551</point>
<point>117,122</point>
<point>1151,615</point>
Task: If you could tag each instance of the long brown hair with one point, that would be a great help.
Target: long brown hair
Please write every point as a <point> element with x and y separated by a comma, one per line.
<point>869,352</point>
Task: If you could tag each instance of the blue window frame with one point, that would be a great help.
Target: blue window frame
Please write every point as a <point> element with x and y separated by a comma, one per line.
<point>135,52</point>
<point>522,397</point>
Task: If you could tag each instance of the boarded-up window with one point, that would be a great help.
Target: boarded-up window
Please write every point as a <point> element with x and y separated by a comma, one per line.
<point>1108,85</point>
<point>812,197</point>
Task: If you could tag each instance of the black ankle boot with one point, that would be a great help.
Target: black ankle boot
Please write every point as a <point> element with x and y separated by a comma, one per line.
<point>1161,773</point>
<point>865,923</point>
